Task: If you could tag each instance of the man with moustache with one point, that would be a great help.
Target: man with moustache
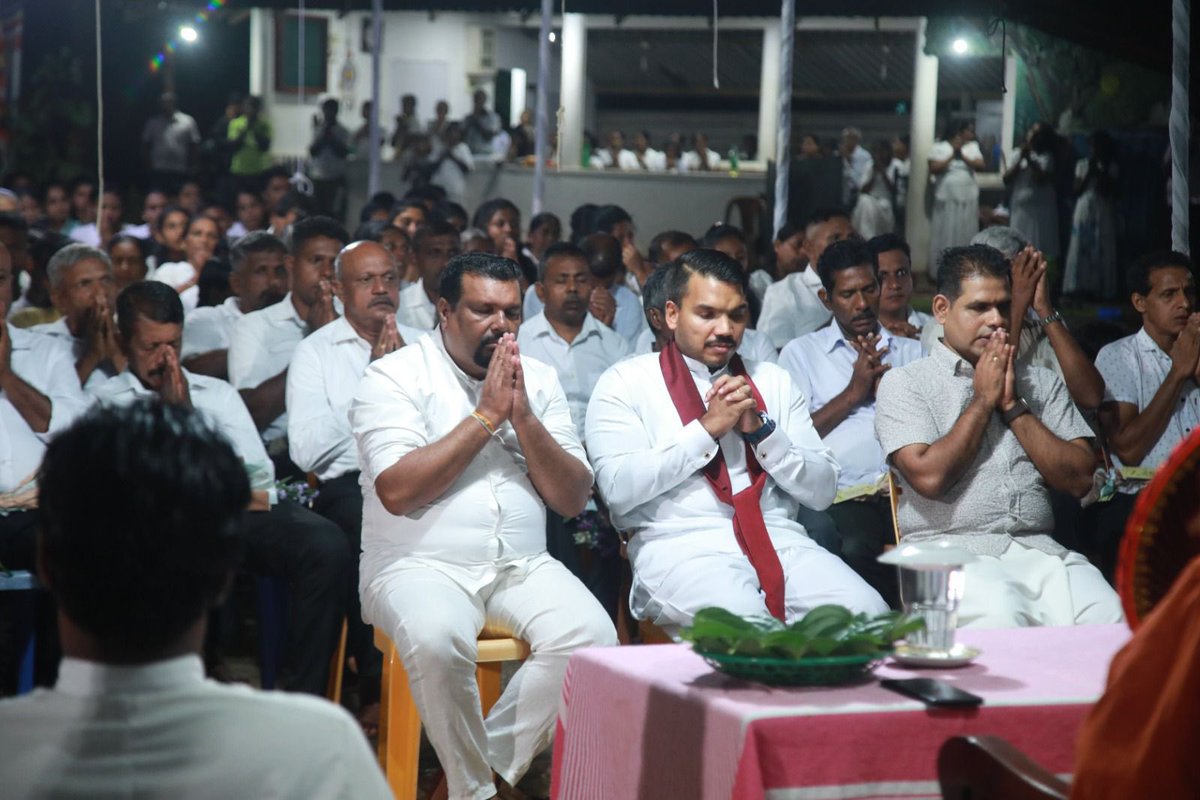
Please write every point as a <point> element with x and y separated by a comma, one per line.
<point>283,539</point>
<point>262,341</point>
<point>703,460</point>
<point>837,368</point>
<point>324,372</point>
<point>463,445</point>
<point>82,290</point>
<point>579,348</point>
<point>791,306</point>
<point>978,440</point>
<point>259,279</point>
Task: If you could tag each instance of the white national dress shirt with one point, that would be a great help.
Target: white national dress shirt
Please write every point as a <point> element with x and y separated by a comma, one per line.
<point>821,363</point>
<point>626,159</point>
<point>59,330</point>
<point>629,321</point>
<point>755,345</point>
<point>324,374</point>
<point>261,347</point>
<point>692,159</point>
<point>416,310</point>
<point>220,406</point>
<point>648,462</point>
<point>1134,368</point>
<point>163,730</point>
<point>210,328</point>
<point>47,365</point>
<point>491,516</point>
<point>579,363</point>
<point>791,307</point>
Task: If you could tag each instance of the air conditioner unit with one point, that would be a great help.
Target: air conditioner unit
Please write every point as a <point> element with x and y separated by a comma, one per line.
<point>481,50</point>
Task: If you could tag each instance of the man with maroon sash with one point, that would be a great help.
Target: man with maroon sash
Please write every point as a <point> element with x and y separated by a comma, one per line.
<point>704,458</point>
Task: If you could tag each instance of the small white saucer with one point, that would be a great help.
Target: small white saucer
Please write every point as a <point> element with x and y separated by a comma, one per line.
<point>958,656</point>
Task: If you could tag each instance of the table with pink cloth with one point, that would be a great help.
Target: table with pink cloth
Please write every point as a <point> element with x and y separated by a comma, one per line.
<point>657,722</point>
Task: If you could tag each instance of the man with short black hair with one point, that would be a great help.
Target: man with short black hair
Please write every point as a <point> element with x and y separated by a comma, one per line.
<point>329,148</point>
<point>704,459</point>
<point>654,303</point>
<point>612,302</point>
<point>283,539</point>
<point>893,266</point>
<point>1151,397</point>
<point>791,306</point>
<point>838,369</point>
<point>434,245</point>
<point>262,342</point>
<point>667,246</point>
<point>259,278</point>
<point>169,144</point>
<point>978,440</point>
<point>82,290</point>
<point>150,499</point>
<point>463,444</point>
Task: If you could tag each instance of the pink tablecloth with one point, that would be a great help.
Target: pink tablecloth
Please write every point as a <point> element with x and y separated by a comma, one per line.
<point>657,722</point>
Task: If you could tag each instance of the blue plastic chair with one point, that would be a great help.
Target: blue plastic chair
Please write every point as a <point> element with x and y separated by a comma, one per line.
<point>24,618</point>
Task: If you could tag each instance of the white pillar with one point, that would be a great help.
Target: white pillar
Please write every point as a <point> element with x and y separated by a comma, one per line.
<point>259,47</point>
<point>924,119</point>
<point>768,93</point>
<point>573,88</point>
<point>542,115</point>
<point>1008,113</point>
<point>1178,127</point>
<point>376,75</point>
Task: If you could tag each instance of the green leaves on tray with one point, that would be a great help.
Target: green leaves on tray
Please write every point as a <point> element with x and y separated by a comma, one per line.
<point>825,631</point>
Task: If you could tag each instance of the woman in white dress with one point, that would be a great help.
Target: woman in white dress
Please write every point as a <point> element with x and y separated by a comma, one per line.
<point>1034,202</point>
<point>1092,256</point>
<point>953,162</point>
<point>873,214</point>
<point>199,245</point>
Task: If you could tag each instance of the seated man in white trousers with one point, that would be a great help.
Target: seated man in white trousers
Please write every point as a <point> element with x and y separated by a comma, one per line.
<point>704,459</point>
<point>977,438</point>
<point>463,444</point>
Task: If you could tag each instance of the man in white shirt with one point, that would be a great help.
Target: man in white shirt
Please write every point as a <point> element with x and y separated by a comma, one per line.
<point>39,396</point>
<point>604,256</point>
<point>321,380</point>
<point>153,205</point>
<point>615,156</point>
<point>108,222</point>
<point>283,539</point>
<point>262,342</point>
<point>791,306</point>
<point>893,265</point>
<point>700,157</point>
<point>1151,397</point>
<point>449,163</point>
<point>856,162</point>
<point>434,244</point>
<point>150,498</point>
<point>463,445</point>
<point>82,290</point>
<point>169,142</point>
<point>837,368</point>
<point>647,157</point>
<point>704,459</point>
<point>329,149</point>
<point>579,348</point>
<point>259,278</point>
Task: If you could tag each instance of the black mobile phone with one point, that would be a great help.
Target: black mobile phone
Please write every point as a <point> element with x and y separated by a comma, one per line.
<point>932,692</point>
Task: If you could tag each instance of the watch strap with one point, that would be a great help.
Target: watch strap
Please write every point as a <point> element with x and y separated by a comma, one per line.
<point>1019,408</point>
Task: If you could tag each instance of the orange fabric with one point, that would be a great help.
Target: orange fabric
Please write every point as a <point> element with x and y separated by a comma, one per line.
<point>1142,739</point>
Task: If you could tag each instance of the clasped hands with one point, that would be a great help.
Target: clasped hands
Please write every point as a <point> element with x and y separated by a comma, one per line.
<point>995,373</point>
<point>731,404</point>
<point>503,396</point>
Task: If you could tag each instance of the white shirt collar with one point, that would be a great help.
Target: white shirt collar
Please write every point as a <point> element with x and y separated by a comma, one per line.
<point>541,327</point>
<point>701,370</point>
<point>464,378</point>
<point>833,334</point>
<point>92,678</point>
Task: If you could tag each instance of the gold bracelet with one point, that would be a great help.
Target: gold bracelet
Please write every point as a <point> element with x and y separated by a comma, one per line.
<point>485,422</point>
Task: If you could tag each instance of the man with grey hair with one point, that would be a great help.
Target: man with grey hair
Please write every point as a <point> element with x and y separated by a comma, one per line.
<point>1044,338</point>
<point>83,292</point>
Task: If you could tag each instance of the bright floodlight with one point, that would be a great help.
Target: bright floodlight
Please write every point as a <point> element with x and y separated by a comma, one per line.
<point>188,34</point>
<point>552,37</point>
<point>959,46</point>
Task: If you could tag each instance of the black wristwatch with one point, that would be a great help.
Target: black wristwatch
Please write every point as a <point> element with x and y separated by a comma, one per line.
<point>1019,408</point>
<point>768,427</point>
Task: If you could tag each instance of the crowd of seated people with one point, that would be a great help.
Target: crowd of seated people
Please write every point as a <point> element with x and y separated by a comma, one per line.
<point>495,413</point>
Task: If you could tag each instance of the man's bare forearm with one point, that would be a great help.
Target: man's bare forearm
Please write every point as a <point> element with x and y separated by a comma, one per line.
<point>1132,441</point>
<point>1066,466</point>
<point>33,406</point>
<point>1083,380</point>
<point>214,363</point>
<point>941,465</point>
<point>266,401</point>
